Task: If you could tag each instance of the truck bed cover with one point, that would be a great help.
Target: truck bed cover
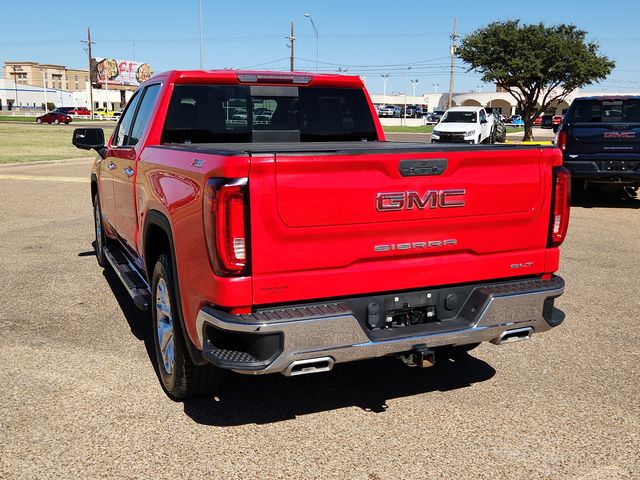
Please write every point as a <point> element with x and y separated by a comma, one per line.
<point>333,148</point>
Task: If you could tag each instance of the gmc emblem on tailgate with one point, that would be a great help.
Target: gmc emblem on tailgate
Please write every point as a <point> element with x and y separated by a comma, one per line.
<point>394,201</point>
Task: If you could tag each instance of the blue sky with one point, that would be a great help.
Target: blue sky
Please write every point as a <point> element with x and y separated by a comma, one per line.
<point>367,38</point>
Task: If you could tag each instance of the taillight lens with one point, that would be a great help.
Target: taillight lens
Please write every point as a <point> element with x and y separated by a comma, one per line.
<point>561,206</point>
<point>561,143</point>
<point>225,225</point>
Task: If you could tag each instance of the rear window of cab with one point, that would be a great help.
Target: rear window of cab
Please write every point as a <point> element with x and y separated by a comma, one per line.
<point>605,111</point>
<point>225,113</point>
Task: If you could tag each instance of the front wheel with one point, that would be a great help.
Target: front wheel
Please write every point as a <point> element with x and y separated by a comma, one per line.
<point>180,377</point>
<point>492,137</point>
<point>99,230</point>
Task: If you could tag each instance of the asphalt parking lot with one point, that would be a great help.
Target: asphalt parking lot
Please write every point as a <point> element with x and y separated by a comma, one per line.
<point>81,398</point>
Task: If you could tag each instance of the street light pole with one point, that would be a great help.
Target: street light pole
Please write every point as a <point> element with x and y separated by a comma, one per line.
<point>385,79</point>
<point>414,83</point>
<point>404,112</point>
<point>317,38</point>
<point>435,87</point>
<point>44,86</point>
<point>15,84</point>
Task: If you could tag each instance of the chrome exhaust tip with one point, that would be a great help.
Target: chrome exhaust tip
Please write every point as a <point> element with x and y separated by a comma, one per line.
<point>515,335</point>
<point>310,365</point>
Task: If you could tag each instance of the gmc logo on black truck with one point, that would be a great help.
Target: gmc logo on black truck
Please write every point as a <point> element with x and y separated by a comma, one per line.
<point>394,201</point>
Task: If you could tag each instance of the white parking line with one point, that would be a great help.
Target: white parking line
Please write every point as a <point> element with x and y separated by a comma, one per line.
<point>44,178</point>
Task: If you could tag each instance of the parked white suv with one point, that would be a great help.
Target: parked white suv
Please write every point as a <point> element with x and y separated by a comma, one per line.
<point>464,125</point>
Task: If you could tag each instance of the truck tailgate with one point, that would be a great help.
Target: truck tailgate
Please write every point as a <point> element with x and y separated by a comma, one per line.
<point>329,225</point>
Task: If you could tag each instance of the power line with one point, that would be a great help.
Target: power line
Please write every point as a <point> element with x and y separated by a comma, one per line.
<point>263,64</point>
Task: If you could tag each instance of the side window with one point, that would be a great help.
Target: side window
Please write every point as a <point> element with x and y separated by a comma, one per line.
<point>483,116</point>
<point>144,113</point>
<point>122,134</point>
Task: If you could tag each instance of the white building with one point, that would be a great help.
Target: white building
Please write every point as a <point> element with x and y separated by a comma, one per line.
<point>23,98</point>
<point>501,101</point>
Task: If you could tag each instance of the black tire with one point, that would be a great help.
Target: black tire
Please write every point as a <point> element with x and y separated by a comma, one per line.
<point>101,239</point>
<point>492,136</point>
<point>180,379</point>
<point>56,121</point>
<point>38,120</point>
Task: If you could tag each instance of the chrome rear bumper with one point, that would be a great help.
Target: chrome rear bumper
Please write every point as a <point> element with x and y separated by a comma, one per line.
<point>329,330</point>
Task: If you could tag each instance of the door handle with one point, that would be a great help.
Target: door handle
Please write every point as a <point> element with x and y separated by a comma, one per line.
<point>128,171</point>
<point>111,165</point>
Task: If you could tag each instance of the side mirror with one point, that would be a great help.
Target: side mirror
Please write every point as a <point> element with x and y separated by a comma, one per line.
<point>556,128</point>
<point>483,120</point>
<point>89,138</point>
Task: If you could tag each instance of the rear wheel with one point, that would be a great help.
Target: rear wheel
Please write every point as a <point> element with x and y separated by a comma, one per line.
<point>38,120</point>
<point>56,121</point>
<point>180,377</point>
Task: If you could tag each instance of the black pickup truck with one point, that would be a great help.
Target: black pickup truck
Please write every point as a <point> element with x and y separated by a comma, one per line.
<point>600,141</point>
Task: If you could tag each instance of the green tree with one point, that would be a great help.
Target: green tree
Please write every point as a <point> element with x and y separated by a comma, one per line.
<point>536,64</point>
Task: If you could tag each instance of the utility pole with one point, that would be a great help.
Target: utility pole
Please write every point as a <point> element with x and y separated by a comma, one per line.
<point>201,39</point>
<point>291,39</point>
<point>452,51</point>
<point>89,43</point>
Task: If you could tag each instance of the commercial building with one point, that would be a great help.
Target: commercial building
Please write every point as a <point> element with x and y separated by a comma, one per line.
<point>47,75</point>
<point>499,100</point>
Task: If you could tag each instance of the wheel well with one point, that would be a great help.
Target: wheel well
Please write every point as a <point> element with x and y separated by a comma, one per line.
<point>156,242</point>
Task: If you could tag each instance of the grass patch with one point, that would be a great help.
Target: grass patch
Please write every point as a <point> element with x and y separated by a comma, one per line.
<point>31,143</point>
<point>16,118</point>
<point>514,129</point>
<point>403,129</point>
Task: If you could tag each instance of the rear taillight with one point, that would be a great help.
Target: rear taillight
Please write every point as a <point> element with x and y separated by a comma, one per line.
<point>561,143</point>
<point>225,225</point>
<point>560,206</point>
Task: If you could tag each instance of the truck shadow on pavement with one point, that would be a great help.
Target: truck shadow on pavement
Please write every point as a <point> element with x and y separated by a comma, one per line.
<point>368,384</point>
<point>139,321</point>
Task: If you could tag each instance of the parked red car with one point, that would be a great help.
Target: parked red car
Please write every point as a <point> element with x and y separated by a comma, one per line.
<point>549,120</point>
<point>54,117</point>
<point>80,111</point>
<point>538,121</point>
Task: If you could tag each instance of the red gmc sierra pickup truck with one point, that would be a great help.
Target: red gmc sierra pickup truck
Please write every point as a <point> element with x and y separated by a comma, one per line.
<point>269,226</point>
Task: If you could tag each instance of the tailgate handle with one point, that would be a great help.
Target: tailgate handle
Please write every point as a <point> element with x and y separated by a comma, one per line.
<point>423,168</point>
